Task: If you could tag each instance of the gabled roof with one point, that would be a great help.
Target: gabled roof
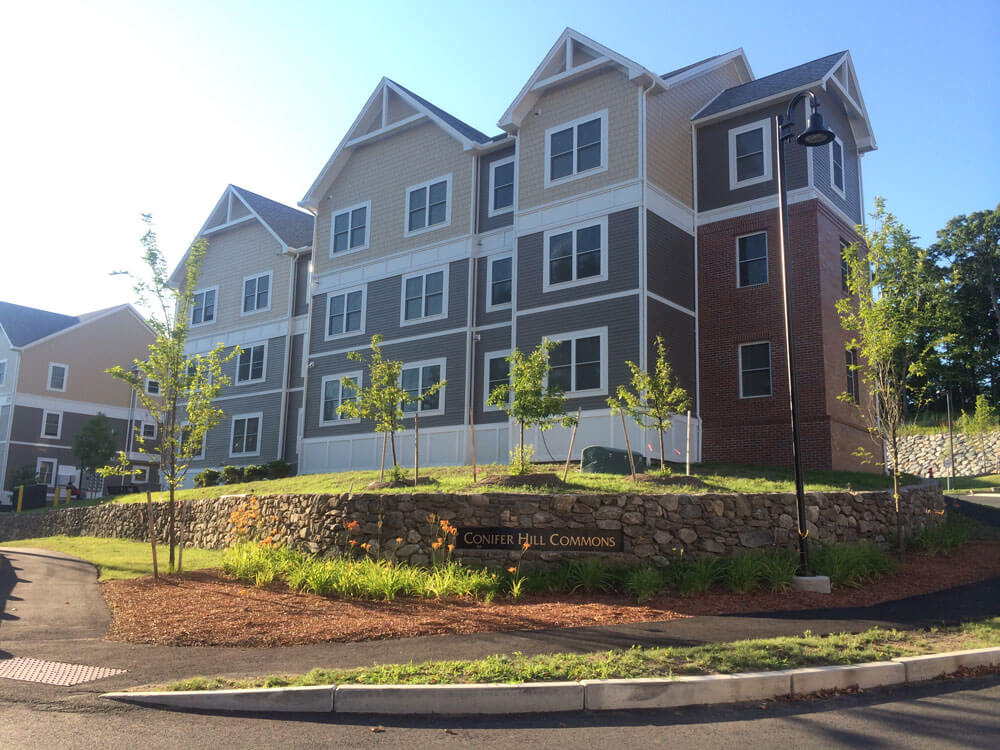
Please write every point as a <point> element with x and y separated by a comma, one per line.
<point>26,324</point>
<point>391,108</point>
<point>292,228</point>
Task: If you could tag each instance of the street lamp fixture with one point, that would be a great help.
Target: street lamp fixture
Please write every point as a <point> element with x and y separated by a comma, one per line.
<point>814,135</point>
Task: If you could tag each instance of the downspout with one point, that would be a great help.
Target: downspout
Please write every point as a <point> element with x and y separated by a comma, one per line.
<point>697,313</point>
<point>307,344</point>
<point>283,416</point>
<point>18,353</point>
<point>472,301</point>
<point>643,248</point>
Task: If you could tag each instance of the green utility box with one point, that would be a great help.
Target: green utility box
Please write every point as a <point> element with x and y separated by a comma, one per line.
<point>599,460</point>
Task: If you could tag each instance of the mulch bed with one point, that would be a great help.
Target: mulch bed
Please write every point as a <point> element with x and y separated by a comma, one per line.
<point>204,608</point>
<point>671,480</point>
<point>533,479</point>
<point>397,483</point>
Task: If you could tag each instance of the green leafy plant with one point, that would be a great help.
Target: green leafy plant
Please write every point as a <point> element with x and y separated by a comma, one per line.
<point>95,444</point>
<point>945,538</point>
<point>743,571</point>
<point>592,574</point>
<point>852,564</point>
<point>694,575</point>
<point>777,568</point>
<point>23,476</point>
<point>254,473</point>
<point>643,582</point>
<point>207,478</point>
<point>278,469</point>
<point>232,474</point>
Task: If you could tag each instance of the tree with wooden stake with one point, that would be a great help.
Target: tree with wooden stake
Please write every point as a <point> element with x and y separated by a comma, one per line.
<point>530,400</point>
<point>384,400</point>
<point>891,298</point>
<point>651,399</point>
<point>183,405</point>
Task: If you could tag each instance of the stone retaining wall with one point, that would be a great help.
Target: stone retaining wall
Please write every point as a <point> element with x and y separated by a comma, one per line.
<point>921,453</point>
<point>655,527</point>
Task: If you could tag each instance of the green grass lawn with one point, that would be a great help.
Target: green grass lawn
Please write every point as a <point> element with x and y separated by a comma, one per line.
<point>976,483</point>
<point>764,654</point>
<point>716,477</point>
<point>119,558</point>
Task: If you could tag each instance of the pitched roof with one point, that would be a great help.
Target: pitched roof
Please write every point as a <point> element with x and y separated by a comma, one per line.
<point>462,127</point>
<point>294,227</point>
<point>26,324</point>
<point>776,83</point>
<point>692,65</point>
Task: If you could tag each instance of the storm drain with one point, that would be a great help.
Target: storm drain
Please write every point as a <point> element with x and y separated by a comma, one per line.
<point>52,672</point>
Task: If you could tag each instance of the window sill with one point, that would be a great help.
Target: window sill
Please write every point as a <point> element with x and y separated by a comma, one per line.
<point>550,183</point>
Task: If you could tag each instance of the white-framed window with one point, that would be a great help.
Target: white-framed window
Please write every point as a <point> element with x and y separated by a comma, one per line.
<point>333,393</point>
<point>140,475</point>
<point>3,371</point>
<point>51,424</point>
<point>186,436</point>
<point>56,380</point>
<point>851,365</point>
<point>428,206</point>
<point>499,282</point>
<point>576,149</point>
<point>149,430</point>
<point>345,313</point>
<point>203,306</point>
<point>256,293</point>
<point>751,259</point>
<point>750,154</point>
<point>837,166</point>
<point>152,387</point>
<point>251,367</point>
<point>501,187</point>
<point>755,369</point>
<point>417,378</point>
<point>46,469</point>
<point>496,371</point>
<point>425,296</point>
<point>577,254</point>
<point>349,228</point>
<point>244,438</point>
<point>578,364</point>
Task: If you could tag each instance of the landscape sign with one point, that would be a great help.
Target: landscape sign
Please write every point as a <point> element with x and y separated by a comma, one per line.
<point>541,540</point>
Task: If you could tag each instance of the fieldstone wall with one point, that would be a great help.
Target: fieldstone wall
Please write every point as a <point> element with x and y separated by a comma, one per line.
<point>403,527</point>
<point>919,454</point>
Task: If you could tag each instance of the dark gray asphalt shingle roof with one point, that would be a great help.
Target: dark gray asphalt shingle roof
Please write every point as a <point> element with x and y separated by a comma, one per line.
<point>462,127</point>
<point>775,83</point>
<point>295,227</point>
<point>26,324</point>
<point>692,65</point>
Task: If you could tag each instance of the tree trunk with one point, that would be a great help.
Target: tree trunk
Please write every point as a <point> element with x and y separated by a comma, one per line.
<point>520,449</point>
<point>663,458</point>
<point>170,522</point>
<point>900,532</point>
<point>392,441</point>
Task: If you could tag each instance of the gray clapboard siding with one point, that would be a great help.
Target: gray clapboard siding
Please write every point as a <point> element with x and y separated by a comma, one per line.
<point>274,364</point>
<point>217,442</point>
<point>485,223</point>
<point>670,261</point>
<point>292,406</point>
<point>295,379</point>
<point>836,119</point>
<point>492,340</point>
<point>482,295</point>
<point>678,331</point>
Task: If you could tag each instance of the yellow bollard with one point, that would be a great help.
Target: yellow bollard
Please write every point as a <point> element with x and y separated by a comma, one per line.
<point>20,497</point>
<point>55,499</point>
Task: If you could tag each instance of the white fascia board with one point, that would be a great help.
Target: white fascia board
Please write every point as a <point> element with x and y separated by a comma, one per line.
<point>177,276</point>
<point>755,104</point>
<point>708,67</point>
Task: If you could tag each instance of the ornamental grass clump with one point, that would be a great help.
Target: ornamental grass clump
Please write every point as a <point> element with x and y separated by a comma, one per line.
<point>853,564</point>
<point>945,538</point>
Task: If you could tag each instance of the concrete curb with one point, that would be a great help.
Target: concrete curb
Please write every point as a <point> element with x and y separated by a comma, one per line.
<point>588,695</point>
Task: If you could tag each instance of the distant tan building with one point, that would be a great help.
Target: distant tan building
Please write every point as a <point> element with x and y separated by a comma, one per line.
<point>53,379</point>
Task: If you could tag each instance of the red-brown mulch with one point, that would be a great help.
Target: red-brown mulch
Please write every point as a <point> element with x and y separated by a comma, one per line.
<point>531,479</point>
<point>204,608</point>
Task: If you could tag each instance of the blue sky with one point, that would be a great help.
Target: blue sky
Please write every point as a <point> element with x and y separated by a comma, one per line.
<point>117,108</point>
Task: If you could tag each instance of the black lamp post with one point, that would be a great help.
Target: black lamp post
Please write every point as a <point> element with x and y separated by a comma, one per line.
<point>814,135</point>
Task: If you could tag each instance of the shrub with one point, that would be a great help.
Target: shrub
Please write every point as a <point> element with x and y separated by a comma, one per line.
<point>591,574</point>
<point>232,474</point>
<point>643,582</point>
<point>778,567</point>
<point>254,473</point>
<point>851,564</point>
<point>743,571</point>
<point>278,469</point>
<point>207,478</point>
<point>694,576</point>
<point>945,537</point>
<point>24,475</point>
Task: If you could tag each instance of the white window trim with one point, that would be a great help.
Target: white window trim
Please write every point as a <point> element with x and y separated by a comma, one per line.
<point>243,293</point>
<point>367,205</point>
<point>3,371</point>
<point>490,307</point>
<point>572,228</point>
<point>441,392</point>
<point>260,433</point>
<point>45,416</point>
<point>48,379</point>
<point>402,297</point>
<point>142,430</point>
<point>549,182</point>
<point>767,257</point>
<point>322,396</point>
<point>263,376</point>
<point>493,167</point>
<point>200,456</point>
<point>447,206</point>
<point>766,125</point>
<point>327,336</point>
<point>603,333</point>
<point>215,316</point>
<point>146,387</point>
<point>55,468</point>
<point>842,192</point>
<point>140,471</point>
<point>486,377</point>
<point>770,369</point>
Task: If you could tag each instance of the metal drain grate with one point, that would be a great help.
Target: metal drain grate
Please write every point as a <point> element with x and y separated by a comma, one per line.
<point>52,672</point>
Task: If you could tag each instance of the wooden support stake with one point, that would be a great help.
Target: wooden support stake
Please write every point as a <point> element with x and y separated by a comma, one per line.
<point>152,532</point>
<point>472,426</point>
<point>381,471</point>
<point>55,498</point>
<point>687,471</point>
<point>628,447</point>
<point>416,448</point>
<point>20,497</point>
<point>572,439</point>
<point>180,539</point>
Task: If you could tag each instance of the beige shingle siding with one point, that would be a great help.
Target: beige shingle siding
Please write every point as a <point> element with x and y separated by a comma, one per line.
<point>668,139</point>
<point>609,90</point>
<point>233,255</point>
<point>381,173</point>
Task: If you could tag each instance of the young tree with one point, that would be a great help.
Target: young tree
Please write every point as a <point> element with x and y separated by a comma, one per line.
<point>183,407</point>
<point>980,424</point>
<point>653,398</point>
<point>891,297</point>
<point>95,444</point>
<point>529,400</point>
<point>384,399</point>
